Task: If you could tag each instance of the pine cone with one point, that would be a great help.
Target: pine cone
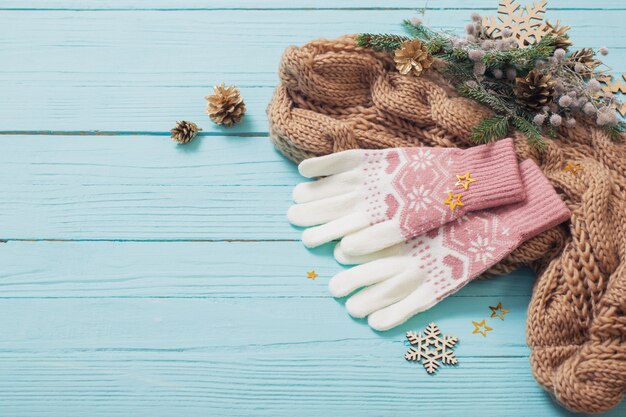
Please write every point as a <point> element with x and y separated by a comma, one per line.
<point>534,90</point>
<point>413,57</point>
<point>226,106</point>
<point>563,40</point>
<point>184,131</point>
<point>584,56</point>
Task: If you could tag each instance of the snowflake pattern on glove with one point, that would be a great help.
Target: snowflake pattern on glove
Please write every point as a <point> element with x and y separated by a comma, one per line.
<point>374,199</point>
<point>453,254</point>
<point>431,348</point>
<point>419,177</point>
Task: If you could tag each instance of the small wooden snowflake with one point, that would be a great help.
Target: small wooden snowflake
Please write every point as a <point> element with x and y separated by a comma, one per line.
<point>431,348</point>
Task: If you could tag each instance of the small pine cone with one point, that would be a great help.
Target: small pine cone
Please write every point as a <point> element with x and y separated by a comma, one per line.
<point>586,57</point>
<point>563,41</point>
<point>535,90</point>
<point>412,57</point>
<point>225,106</point>
<point>184,131</point>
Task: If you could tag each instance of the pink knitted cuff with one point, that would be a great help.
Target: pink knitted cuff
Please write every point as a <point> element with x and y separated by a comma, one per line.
<point>542,209</point>
<point>495,169</point>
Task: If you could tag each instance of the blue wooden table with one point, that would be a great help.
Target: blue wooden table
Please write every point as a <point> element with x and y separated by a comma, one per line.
<point>142,278</point>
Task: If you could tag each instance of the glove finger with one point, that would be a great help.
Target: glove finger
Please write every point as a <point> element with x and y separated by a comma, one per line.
<point>334,185</point>
<point>381,295</point>
<point>345,259</point>
<point>330,164</point>
<point>334,229</point>
<point>322,211</point>
<point>372,239</point>
<point>419,300</point>
<point>373,272</point>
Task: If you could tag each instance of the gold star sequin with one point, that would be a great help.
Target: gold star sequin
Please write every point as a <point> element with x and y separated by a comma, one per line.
<point>483,325</point>
<point>453,201</point>
<point>465,180</point>
<point>502,311</point>
<point>311,275</point>
<point>573,167</point>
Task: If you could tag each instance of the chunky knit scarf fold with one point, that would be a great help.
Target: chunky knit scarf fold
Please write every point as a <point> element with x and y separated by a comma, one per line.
<point>335,96</point>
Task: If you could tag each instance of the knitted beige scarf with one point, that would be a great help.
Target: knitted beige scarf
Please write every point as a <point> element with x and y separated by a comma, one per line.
<point>335,96</point>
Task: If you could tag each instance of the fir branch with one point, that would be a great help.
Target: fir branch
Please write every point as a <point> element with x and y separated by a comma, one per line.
<point>420,31</point>
<point>437,45</point>
<point>616,131</point>
<point>382,43</point>
<point>455,55</point>
<point>551,131</point>
<point>490,129</point>
<point>531,131</point>
<point>435,42</point>
<point>478,93</point>
<point>458,72</point>
<point>522,59</point>
<point>502,87</point>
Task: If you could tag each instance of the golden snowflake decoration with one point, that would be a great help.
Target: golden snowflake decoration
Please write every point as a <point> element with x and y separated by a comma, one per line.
<point>431,348</point>
<point>614,86</point>
<point>525,23</point>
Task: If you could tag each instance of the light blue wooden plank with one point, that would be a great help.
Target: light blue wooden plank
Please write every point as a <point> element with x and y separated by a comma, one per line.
<point>289,4</point>
<point>80,71</point>
<point>208,344</point>
<point>304,380</point>
<point>72,324</point>
<point>144,187</point>
<point>188,270</point>
<point>223,353</point>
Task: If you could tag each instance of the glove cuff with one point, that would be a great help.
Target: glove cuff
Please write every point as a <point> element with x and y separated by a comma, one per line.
<point>542,209</point>
<point>497,178</point>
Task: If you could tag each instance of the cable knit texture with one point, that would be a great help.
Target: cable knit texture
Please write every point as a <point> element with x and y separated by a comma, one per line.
<point>335,96</point>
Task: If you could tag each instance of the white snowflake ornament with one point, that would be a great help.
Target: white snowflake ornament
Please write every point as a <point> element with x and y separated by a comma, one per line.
<point>431,348</point>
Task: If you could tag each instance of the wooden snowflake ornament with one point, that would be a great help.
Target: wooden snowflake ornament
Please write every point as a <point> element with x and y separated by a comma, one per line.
<point>525,23</point>
<point>615,86</point>
<point>431,348</point>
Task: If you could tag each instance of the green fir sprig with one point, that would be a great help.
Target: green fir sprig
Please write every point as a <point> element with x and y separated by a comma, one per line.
<point>381,43</point>
<point>531,130</point>
<point>420,31</point>
<point>490,129</point>
<point>478,93</point>
<point>617,130</point>
<point>522,59</point>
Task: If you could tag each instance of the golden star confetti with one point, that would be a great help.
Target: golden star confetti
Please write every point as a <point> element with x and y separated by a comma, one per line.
<point>573,167</point>
<point>453,201</point>
<point>465,180</point>
<point>496,309</point>
<point>481,327</point>
<point>311,275</point>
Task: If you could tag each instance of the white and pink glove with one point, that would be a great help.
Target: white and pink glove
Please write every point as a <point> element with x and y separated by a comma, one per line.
<point>378,198</point>
<point>413,276</point>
